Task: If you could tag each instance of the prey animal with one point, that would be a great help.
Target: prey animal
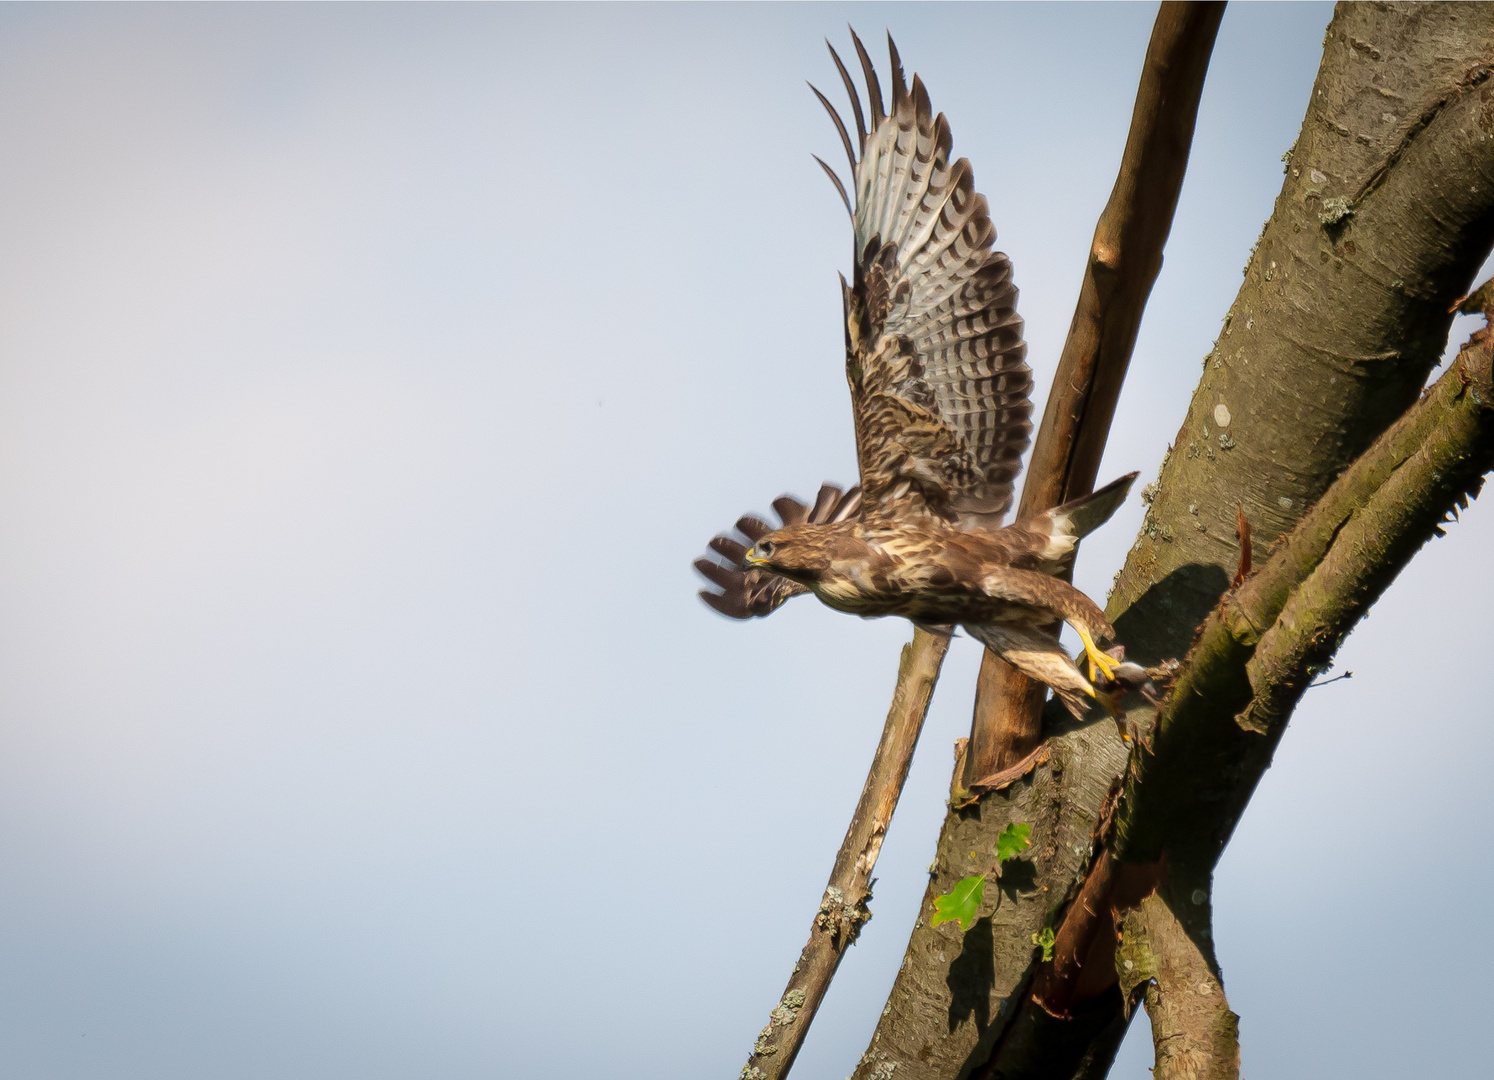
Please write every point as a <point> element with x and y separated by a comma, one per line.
<point>940,394</point>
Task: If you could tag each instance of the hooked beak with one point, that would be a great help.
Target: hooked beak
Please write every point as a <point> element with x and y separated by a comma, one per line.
<point>752,558</point>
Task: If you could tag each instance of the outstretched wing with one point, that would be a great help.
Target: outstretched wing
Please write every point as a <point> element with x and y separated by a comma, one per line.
<point>748,593</point>
<point>934,351</point>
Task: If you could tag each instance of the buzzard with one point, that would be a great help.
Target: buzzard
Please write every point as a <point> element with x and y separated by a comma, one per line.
<point>940,392</point>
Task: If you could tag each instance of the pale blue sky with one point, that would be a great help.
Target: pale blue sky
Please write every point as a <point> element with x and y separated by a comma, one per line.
<point>370,375</point>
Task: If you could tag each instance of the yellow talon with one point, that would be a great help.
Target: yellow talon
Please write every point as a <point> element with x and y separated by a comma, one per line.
<point>1098,661</point>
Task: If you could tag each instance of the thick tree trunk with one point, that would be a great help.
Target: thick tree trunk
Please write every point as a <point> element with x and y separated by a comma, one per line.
<point>1385,215</point>
<point>1386,212</point>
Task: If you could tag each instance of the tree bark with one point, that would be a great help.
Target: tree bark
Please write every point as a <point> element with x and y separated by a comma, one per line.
<point>1255,656</point>
<point>1260,648</point>
<point>1383,219</point>
<point>1168,950</point>
<point>1125,257</point>
<point>1385,214</point>
<point>1343,312</point>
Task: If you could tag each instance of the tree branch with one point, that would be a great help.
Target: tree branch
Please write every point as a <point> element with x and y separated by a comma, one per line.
<point>1259,650</point>
<point>1329,340</point>
<point>1167,949</point>
<point>1215,734</point>
<point>1125,257</point>
<point>843,909</point>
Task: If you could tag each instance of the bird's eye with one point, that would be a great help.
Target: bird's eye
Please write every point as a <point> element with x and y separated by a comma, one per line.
<point>765,549</point>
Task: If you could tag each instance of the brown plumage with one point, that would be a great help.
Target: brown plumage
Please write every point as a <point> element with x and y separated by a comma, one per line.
<point>940,390</point>
<point>748,591</point>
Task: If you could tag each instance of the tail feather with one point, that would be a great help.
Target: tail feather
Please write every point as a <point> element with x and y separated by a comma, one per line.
<point>1057,532</point>
<point>1082,516</point>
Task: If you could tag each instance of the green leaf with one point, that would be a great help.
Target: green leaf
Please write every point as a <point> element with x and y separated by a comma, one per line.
<point>1045,939</point>
<point>1012,841</point>
<point>961,902</point>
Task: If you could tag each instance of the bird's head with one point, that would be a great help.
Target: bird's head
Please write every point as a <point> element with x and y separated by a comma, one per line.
<point>797,552</point>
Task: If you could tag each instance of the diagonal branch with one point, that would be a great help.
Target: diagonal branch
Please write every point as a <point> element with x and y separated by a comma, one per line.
<point>1215,734</point>
<point>1125,257</point>
<point>1259,650</point>
<point>843,908</point>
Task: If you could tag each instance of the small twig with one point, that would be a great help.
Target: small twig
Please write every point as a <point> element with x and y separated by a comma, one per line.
<point>1010,775</point>
<point>1325,682</point>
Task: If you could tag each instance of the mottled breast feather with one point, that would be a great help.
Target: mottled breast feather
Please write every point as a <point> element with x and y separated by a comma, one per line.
<point>934,353</point>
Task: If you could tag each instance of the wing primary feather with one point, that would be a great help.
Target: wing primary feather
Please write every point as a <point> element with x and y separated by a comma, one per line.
<point>899,87</point>
<point>731,608</point>
<point>753,528</point>
<point>873,88</point>
<point>723,577</point>
<point>853,94</point>
<point>730,550</point>
<point>716,574</point>
<point>845,308</point>
<point>838,185</point>
<point>845,138</point>
<point>790,510</point>
<point>824,501</point>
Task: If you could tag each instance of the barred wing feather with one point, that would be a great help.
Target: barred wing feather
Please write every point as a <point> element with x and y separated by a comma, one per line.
<point>934,351</point>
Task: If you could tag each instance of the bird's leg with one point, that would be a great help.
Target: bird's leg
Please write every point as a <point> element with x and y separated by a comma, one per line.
<point>1098,661</point>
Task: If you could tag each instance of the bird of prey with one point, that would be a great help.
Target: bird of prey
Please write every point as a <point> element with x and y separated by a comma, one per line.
<point>940,395</point>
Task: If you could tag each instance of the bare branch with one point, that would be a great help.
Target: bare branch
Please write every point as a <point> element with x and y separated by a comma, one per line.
<point>1167,949</point>
<point>1260,649</point>
<point>1125,257</point>
<point>843,909</point>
